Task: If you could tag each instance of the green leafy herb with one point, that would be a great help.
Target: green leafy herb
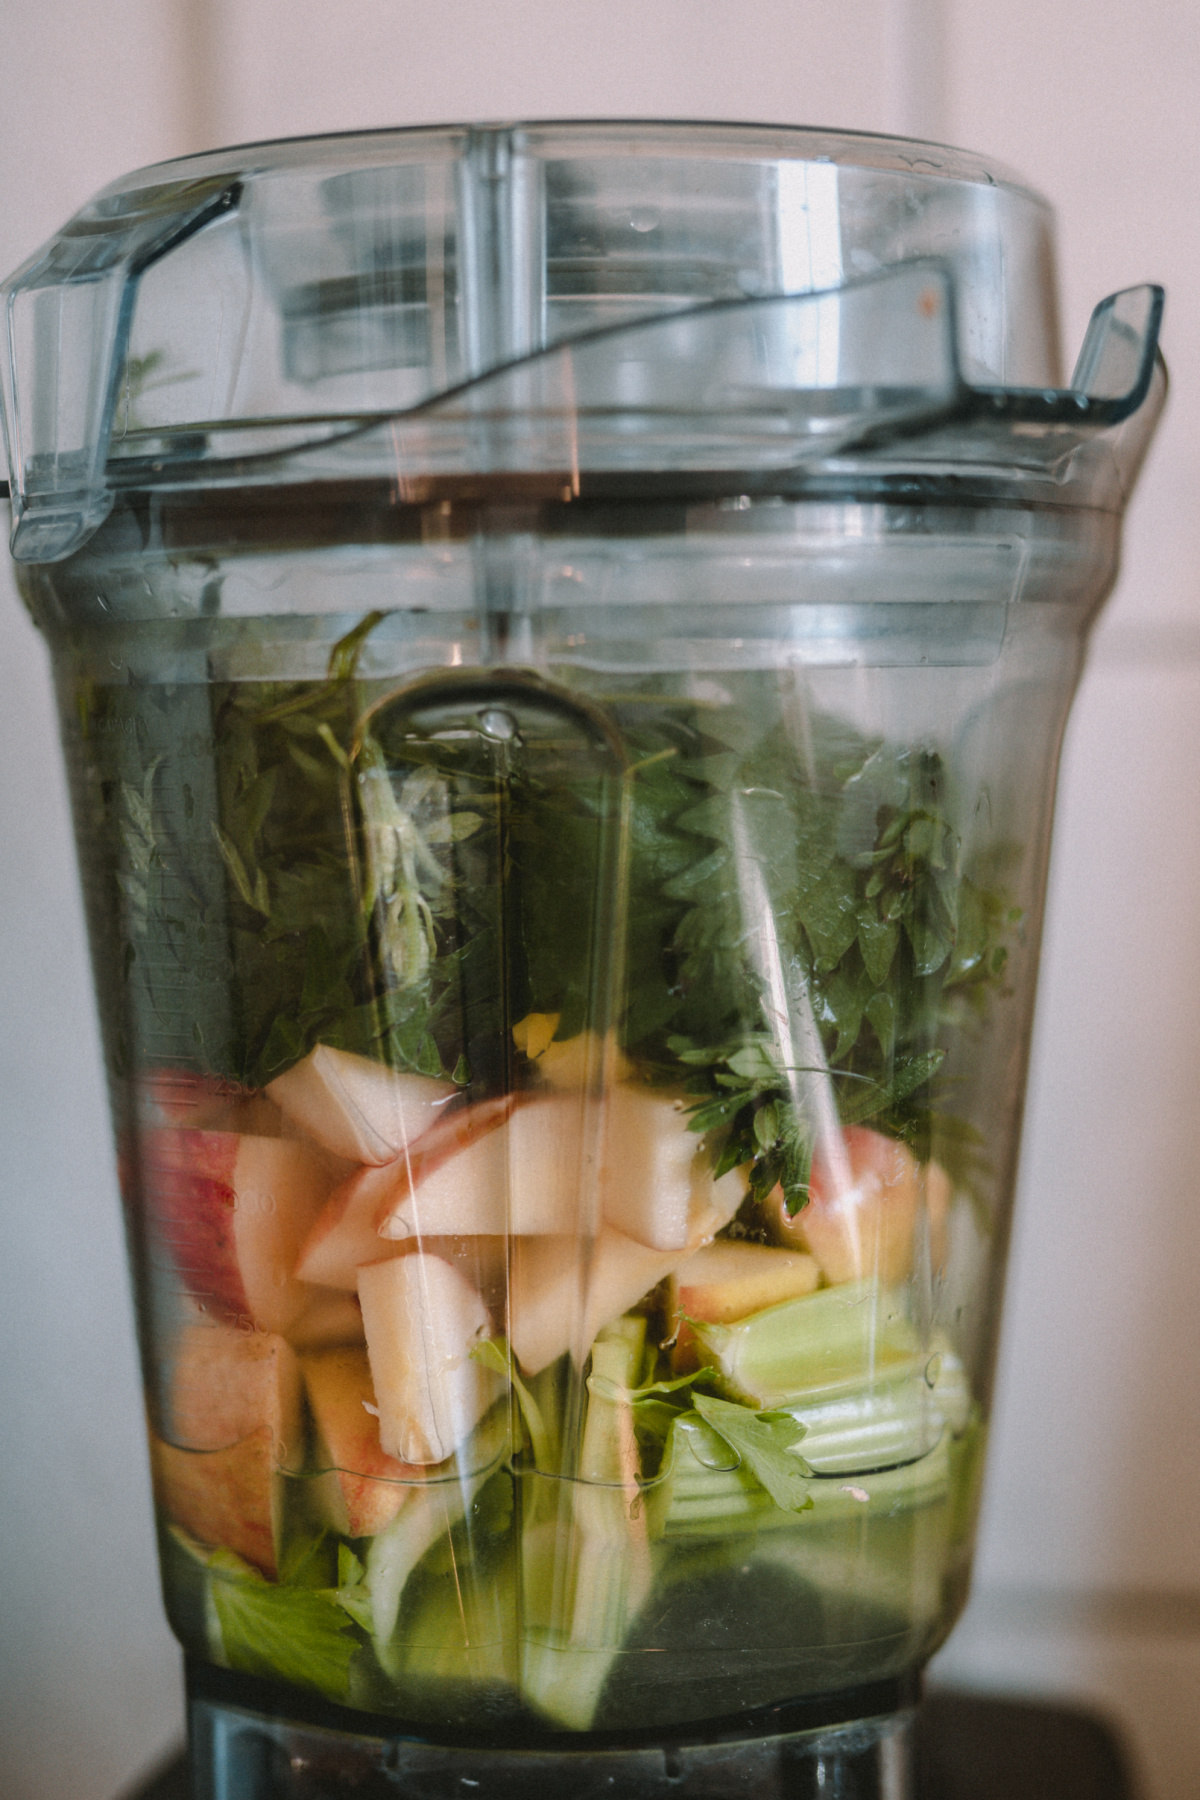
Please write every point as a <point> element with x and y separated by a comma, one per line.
<point>651,1390</point>
<point>766,1442</point>
<point>296,1634</point>
<point>360,880</point>
<point>494,1354</point>
<point>352,1593</point>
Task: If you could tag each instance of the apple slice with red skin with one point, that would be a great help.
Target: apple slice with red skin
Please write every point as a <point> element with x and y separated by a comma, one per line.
<point>345,1234</point>
<point>233,1421</point>
<point>355,1225</point>
<point>226,1498</point>
<point>522,1167</point>
<point>729,1279</point>
<point>362,1488</point>
<point>357,1108</point>
<point>501,1166</point>
<point>868,1231</point>
<point>233,1210</point>
<point>225,1384</point>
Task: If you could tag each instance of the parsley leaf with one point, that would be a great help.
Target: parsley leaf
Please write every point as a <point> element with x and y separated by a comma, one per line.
<point>766,1442</point>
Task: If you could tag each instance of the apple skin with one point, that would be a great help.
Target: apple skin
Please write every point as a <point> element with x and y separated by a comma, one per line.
<point>521,1166</point>
<point>232,1211</point>
<point>870,1231</point>
<point>361,1490</point>
<point>230,1498</point>
<point>225,1384</point>
<point>499,1166</point>
<point>359,1109</point>
<point>422,1319</point>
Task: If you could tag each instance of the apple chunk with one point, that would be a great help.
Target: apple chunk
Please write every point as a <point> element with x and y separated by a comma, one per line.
<point>225,1384</point>
<point>495,1167</point>
<point>345,1234</point>
<point>228,1498</point>
<point>358,1108</point>
<point>561,1295</point>
<point>868,1231</point>
<point>457,1171</point>
<point>345,1239</point>
<point>655,1179</point>
<point>530,1167</point>
<point>422,1320</point>
<point>233,1211</point>
<point>363,1488</point>
<point>727,1280</point>
<point>230,1424</point>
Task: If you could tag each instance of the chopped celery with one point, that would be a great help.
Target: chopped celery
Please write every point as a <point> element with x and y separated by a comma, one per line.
<point>823,1343</point>
<point>609,1452</point>
<point>430,1511</point>
<point>895,1420</point>
<point>286,1629</point>
<point>495,1354</point>
<point>458,1625</point>
<point>587,1570</point>
<point>885,1441</point>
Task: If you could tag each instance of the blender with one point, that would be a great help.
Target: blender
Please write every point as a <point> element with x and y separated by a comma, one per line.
<point>563,634</point>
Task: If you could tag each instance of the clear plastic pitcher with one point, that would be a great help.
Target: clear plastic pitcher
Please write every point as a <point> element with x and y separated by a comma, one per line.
<point>563,635</point>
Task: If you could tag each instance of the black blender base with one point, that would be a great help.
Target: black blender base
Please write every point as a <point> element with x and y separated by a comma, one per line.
<point>968,1748</point>
<point>251,1741</point>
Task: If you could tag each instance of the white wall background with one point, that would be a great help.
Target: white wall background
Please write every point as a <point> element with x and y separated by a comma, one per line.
<point>1089,1573</point>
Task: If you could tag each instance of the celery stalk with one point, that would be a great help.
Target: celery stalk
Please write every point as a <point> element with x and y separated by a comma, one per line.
<point>430,1511</point>
<point>587,1572</point>
<point>823,1343</point>
<point>459,1628</point>
<point>884,1444</point>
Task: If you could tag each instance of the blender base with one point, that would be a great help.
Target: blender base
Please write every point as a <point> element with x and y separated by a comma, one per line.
<point>250,1740</point>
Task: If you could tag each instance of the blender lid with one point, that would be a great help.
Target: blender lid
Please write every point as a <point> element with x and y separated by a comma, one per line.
<point>554,301</point>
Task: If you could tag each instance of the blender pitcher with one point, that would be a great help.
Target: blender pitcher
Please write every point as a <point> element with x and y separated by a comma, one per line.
<point>563,635</point>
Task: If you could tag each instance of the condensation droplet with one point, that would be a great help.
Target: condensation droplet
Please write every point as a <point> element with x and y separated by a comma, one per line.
<point>495,723</point>
<point>644,218</point>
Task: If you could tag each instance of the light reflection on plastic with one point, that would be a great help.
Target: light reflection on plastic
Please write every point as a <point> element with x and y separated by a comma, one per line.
<point>810,259</point>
